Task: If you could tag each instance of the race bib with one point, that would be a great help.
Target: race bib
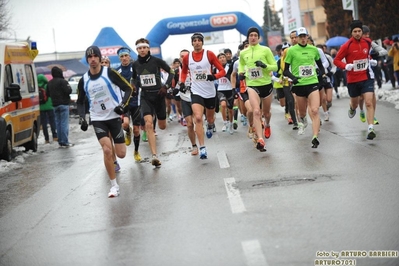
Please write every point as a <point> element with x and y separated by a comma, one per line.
<point>223,80</point>
<point>148,80</point>
<point>102,102</point>
<point>255,73</point>
<point>200,75</point>
<point>360,65</point>
<point>306,71</point>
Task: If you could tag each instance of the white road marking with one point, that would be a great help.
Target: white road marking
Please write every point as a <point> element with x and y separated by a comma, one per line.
<point>236,204</point>
<point>253,253</point>
<point>222,158</point>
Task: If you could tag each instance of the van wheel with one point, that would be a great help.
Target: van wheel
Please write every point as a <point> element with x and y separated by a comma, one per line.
<point>7,151</point>
<point>32,145</point>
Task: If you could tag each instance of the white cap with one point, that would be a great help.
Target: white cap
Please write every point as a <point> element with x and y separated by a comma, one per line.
<point>301,31</point>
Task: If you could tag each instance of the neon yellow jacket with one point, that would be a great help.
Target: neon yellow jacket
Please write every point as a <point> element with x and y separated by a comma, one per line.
<point>257,76</point>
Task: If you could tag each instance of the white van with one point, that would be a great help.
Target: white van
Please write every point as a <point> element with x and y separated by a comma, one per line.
<point>19,98</point>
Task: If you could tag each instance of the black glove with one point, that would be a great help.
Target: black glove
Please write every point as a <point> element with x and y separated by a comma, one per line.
<point>182,87</point>
<point>175,91</point>
<point>163,91</point>
<point>241,76</point>
<point>260,64</point>
<point>374,54</point>
<point>295,81</point>
<point>119,109</point>
<point>210,77</point>
<point>83,124</point>
<point>324,78</point>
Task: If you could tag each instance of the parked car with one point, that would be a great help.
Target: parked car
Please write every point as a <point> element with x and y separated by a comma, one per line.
<point>73,109</point>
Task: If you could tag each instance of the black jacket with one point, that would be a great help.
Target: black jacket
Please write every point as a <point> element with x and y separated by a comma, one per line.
<point>58,88</point>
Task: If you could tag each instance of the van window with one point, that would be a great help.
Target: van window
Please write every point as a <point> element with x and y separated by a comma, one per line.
<point>8,76</point>
<point>30,79</point>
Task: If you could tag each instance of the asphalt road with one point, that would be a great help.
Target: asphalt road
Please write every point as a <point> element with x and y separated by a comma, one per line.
<point>290,205</point>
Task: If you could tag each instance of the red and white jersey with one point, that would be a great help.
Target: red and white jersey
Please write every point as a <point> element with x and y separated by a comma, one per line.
<point>198,72</point>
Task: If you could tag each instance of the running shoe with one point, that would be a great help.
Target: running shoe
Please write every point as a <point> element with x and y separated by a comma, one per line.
<point>376,121</point>
<point>260,145</point>
<point>155,161</point>
<point>326,116</point>
<point>225,125</point>
<point>117,167</point>
<point>203,153</point>
<point>137,156</point>
<point>371,134</point>
<point>194,150</point>
<point>231,126</point>
<point>301,128</point>
<point>235,125</point>
<point>290,121</point>
<point>295,126</point>
<point>287,115</point>
<point>351,112</point>
<point>267,132</point>
<point>68,145</point>
<point>113,192</point>
<point>170,117</point>
<point>213,128</point>
<point>242,118</point>
<point>144,136</point>
<point>245,121</point>
<point>315,142</point>
<point>362,116</point>
<point>128,137</point>
<point>209,133</point>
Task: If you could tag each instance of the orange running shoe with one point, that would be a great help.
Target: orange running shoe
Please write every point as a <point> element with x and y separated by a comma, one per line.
<point>267,132</point>
<point>260,145</point>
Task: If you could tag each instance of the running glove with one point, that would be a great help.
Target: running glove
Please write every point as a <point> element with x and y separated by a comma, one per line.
<point>349,67</point>
<point>210,78</point>
<point>119,109</point>
<point>260,64</point>
<point>83,124</point>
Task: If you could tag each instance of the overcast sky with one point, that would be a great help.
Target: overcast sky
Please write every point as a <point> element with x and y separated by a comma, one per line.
<point>73,25</point>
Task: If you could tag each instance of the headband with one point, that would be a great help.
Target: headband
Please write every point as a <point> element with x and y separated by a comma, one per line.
<point>123,51</point>
<point>142,44</point>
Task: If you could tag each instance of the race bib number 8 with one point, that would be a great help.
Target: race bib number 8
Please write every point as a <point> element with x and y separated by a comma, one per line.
<point>148,80</point>
<point>255,73</point>
<point>360,65</point>
<point>305,71</point>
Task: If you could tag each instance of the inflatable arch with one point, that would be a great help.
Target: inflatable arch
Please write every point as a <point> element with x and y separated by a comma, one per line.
<point>201,23</point>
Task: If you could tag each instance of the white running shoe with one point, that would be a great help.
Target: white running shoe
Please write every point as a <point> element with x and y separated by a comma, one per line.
<point>326,116</point>
<point>231,129</point>
<point>301,128</point>
<point>113,192</point>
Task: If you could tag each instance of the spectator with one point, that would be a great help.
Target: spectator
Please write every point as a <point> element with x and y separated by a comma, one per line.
<point>59,90</point>
<point>46,112</point>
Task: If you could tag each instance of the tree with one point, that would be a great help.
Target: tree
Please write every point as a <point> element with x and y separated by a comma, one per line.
<point>4,18</point>
<point>271,21</point>
<point>379,15</point>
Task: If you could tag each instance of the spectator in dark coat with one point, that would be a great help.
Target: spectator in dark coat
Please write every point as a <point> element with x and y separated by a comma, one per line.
<point>59,90</point>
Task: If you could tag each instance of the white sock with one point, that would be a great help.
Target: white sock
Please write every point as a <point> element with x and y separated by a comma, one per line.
<point>113,182</point>
<point>371,127</point>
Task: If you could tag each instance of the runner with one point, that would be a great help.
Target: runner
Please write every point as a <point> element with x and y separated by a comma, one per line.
<point>198,65</point>
<point>301,70</point>
<point>147,76</point>
<point>255,64</point>
<point>101,85</point>
<point>360,76</point>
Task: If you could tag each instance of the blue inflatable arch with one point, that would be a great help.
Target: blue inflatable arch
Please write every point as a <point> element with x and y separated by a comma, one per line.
<point>201,23</point>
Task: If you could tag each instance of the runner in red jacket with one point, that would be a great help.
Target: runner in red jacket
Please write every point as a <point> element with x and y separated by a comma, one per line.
<point>360,76</point>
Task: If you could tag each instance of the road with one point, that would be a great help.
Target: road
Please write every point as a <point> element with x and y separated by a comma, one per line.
<point>239,207</point>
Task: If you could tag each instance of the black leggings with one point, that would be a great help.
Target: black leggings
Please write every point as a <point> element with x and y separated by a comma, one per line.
<point>290,102</point>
